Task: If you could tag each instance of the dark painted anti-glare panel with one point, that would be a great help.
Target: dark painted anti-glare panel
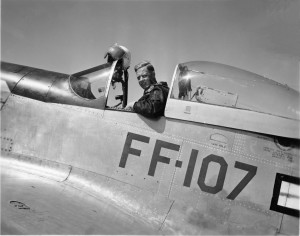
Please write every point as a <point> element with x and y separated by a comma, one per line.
<point>12,73</point>
<point>14,68</point>
<point>36,84</point>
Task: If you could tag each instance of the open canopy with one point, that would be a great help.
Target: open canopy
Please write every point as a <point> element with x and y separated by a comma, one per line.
<point>223,85</point>
<point>218,94</point>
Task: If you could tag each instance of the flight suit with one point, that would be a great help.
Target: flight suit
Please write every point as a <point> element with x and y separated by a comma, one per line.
<point>153,102</point>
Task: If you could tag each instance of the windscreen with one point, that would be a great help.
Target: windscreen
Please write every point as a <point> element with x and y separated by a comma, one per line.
<point>91,83</point>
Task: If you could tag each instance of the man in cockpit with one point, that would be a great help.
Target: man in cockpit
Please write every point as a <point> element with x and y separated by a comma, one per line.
<point>153,101</point>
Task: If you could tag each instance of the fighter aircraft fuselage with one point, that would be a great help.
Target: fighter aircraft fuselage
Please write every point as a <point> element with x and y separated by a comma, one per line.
<point>71,164</point>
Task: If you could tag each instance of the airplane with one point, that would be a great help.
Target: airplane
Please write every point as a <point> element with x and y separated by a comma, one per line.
<point>224,158</point>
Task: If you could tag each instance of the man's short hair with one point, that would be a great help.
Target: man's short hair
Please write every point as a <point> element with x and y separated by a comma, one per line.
<point>146,64</point>
<point>149,67</point>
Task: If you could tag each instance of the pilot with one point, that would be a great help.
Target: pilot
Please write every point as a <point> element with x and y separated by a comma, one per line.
<point>153,102</point>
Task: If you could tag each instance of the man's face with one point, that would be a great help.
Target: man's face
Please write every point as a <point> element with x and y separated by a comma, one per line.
<point>143,77</point>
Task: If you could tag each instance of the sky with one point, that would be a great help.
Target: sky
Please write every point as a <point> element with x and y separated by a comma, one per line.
<point>68,36</point>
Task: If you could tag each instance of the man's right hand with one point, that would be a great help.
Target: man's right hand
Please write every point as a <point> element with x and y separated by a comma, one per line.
<point>129,106</point>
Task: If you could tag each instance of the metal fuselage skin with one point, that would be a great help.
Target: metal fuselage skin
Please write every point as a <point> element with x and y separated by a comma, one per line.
<point>171,176</point>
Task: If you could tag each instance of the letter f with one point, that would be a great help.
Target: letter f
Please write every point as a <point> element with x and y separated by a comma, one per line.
<point>129,150</point>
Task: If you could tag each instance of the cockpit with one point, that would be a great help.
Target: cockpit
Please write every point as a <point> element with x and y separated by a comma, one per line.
<point>201,92</point>
<point>95,83</point>
<point>205,92</point>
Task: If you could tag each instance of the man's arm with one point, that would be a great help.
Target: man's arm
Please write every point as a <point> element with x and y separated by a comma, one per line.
<point>152,105</point>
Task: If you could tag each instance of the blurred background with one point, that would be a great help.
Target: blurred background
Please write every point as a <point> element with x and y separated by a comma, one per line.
<point>68,36</point>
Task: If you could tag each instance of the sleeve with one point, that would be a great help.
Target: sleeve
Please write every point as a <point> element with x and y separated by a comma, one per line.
<point>151,106</point>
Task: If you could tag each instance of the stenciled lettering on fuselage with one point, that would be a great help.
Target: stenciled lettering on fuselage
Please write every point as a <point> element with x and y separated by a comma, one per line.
<point>156,158</point>
<point>206,161</point>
